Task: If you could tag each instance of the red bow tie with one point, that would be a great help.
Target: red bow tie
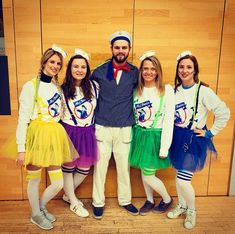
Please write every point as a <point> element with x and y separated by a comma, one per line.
<point>119,68</point>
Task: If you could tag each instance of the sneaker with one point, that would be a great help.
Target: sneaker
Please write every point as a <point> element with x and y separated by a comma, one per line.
<point>190,221</point>
<point>148,206</point>
<point>41,221</point>
<point>162,206</point>
<point>131,209</point>
<point>176,212</point>
<point>48,215</point>
<point>79,210</point>
<point>98,212</point>
<point>66,199</point>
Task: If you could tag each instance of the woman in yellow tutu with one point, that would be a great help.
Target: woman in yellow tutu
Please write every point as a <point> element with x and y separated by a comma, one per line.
<point>41,140</point>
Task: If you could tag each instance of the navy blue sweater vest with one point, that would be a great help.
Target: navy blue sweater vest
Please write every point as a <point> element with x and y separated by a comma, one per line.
<point>115,102</point>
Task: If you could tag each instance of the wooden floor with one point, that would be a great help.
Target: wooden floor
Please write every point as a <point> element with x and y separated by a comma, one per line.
<point>215,215</point>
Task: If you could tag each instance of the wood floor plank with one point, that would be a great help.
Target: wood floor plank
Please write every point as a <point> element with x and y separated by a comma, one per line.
<point>214,215</point>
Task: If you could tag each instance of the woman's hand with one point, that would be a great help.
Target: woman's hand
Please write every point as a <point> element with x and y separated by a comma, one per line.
<point>200,132</point>
<point>162,156</point>
<point>20,158</point>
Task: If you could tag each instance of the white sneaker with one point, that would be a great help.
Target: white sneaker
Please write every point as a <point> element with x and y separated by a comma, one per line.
<point>190,221</point>
<point>66,199</point>
<point>79,210</point>
<point>175,213</point>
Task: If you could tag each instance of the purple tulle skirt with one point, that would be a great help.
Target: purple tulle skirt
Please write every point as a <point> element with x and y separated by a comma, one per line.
<point>84,141</point>
<point>189,152</point>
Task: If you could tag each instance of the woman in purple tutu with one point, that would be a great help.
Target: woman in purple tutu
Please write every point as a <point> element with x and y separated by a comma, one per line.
<point>80,97</point>
<point>191,139</point>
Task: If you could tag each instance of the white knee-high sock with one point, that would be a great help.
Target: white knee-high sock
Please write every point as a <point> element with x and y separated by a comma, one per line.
<point>148,190</point>
<point>187,192</point>
<point>33,195</point>
<point>78,178</point>
<point>69,188</point>
<point>157,185</point>
<point>181,199</point>
<point>56,185</point>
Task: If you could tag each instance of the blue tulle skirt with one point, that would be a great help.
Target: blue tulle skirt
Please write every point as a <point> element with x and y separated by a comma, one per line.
<point>189,152</point>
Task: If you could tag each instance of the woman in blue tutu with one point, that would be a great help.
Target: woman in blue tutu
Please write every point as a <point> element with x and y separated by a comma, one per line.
<point>152,134</point>
<point>80,97</point>
<point>191,139</point>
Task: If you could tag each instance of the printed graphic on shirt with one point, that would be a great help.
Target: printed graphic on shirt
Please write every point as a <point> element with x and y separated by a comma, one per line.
<point>144,111</point>
<point>83,108</point>
<point>182,114</point>
<point>54,105</point>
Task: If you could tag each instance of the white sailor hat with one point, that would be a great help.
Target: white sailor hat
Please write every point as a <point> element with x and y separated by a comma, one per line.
<point>120,35</point>
<point>147,54</point>
<point>82,53</point>
<point>57,48</point>
<point>183,54</point>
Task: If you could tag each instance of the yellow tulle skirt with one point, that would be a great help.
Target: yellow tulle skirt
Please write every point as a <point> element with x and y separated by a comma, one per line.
<point>47,144</point>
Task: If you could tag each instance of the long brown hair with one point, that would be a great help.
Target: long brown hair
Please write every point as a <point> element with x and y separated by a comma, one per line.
<point>159,78</point>
<point>69,87</point>
<point>178,81</point>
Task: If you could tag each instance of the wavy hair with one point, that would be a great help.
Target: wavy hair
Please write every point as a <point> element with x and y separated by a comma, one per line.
<point>46,56</point>
<point>178,81</point>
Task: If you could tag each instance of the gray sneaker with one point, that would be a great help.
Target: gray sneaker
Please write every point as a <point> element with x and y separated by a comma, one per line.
<point>48,215</point>
<point>41,221</point>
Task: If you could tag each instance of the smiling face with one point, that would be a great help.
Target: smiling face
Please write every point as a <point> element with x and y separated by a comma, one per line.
<point>52,66</point>
<point>149,73</point>
<point>78,70</point>
<point>186,72</point>
<point>120,50</point>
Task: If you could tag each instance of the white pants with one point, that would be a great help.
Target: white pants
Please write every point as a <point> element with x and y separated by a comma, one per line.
<point>116,140</point>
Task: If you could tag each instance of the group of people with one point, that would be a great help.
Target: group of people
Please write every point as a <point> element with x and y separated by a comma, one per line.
<point>117,109</point>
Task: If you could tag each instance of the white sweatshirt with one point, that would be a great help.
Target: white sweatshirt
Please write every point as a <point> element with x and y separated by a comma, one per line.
<point>49,104</point>
<point>82,109</point>
<point>208,101</point>
<point>146,107</point>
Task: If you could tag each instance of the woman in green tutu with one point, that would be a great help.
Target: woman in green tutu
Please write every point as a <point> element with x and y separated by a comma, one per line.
<point>152,134</point>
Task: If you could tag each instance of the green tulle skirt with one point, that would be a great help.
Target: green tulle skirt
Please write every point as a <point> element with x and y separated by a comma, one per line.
<point>145,147</point>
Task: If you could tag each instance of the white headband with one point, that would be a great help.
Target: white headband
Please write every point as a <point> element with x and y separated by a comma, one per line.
<point>183,54</point>
<point>59,49</point>
<point>82,53</point>
<point>147,54</point>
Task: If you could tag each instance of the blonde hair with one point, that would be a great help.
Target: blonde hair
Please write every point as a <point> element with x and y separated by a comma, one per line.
<point>159,77</point>
<point>46,56</point>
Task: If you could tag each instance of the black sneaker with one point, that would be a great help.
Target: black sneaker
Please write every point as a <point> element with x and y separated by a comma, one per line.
<point>146,207</point>
<point>98,212</point>
<point>131,209</point>
<point>162,206</point>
